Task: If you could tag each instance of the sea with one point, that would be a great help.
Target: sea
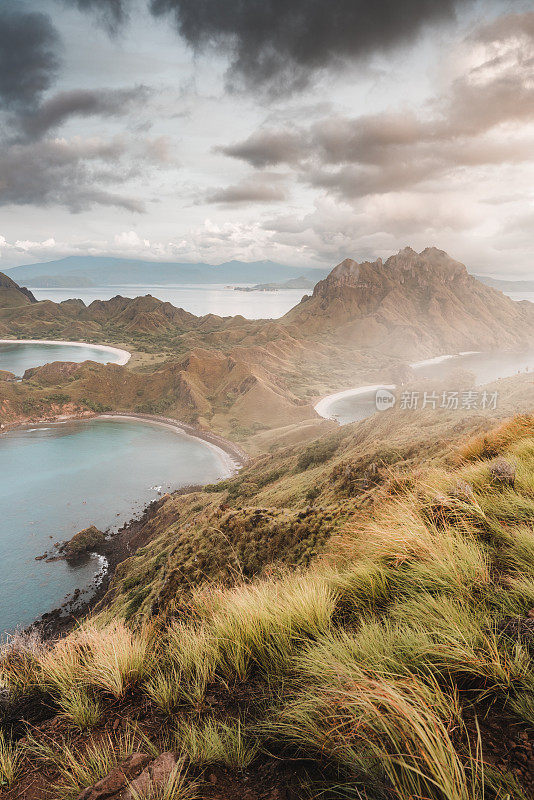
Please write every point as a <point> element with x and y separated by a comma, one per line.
<point>56,479</point>
<point>223,300</point>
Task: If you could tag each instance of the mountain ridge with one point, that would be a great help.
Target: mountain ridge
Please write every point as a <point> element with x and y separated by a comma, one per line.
<point>74,271</point>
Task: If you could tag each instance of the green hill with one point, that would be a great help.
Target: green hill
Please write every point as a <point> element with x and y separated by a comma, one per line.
<point>350,618</point>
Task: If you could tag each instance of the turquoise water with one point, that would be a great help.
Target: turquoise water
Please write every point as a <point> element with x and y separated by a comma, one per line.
<point>487,367</point>
<point>18,357</point>
<point>57,479</point>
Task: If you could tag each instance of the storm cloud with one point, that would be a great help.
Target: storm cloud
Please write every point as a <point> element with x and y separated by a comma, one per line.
<point>264,188</point>
<point>29,61</point>
<point>392,151</point>
<point>58,172</point>
<point>279,44</point>
<point>112,13</point>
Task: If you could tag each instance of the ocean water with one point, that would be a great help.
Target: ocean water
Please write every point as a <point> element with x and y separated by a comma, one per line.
<point>197,299</point>
<point>487,367</point>
<point>57,479</point>
<point>18,357</point>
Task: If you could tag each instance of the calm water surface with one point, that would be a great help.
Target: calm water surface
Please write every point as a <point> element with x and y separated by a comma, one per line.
<point>18,357</point>
<point>57,479</point>
<point>197,299</point>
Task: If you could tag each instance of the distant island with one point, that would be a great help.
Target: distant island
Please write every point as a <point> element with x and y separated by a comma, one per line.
<point>293,283</point>
<point>90,271</point>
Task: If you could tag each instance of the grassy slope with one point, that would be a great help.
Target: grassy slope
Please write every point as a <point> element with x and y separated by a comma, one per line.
<point>378,668</point>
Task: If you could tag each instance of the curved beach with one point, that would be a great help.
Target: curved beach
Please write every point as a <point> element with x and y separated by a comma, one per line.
<point>230,453</point>
<point>323,406</point>
<point>123,355</point>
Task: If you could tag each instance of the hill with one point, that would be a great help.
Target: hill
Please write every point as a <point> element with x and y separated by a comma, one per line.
<point>362,325</point>
<point>12,295</point>
<point>76,271</point>
<point>349,618</point>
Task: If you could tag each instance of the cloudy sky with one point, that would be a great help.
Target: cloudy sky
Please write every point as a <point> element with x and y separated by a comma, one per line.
<point>302,131</point>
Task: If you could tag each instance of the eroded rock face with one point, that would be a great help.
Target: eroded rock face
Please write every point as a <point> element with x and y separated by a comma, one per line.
<point>424,301</point>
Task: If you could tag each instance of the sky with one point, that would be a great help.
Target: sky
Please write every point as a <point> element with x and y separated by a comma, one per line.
<point>300,131</point>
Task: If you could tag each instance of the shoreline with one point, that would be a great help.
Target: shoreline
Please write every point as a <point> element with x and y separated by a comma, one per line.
<point>322,407</point>
<point>234,454</point>
<point>126,541</point>
<point>124,355</point>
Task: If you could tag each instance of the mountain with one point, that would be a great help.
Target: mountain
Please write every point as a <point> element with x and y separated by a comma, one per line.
<point>76,271</point>
<point>238,377</point>
<point>413,303</point>
<point>13,295</point>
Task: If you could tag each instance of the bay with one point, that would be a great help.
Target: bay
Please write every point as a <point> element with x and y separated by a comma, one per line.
<point>57,479</point>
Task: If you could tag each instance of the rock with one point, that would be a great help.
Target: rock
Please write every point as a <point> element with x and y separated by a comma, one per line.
<point>84,541</point>
<point>153,777</point>
<point>117,780</point>
<point>503,471</point>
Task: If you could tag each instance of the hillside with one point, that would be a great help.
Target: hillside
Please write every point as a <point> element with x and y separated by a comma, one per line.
<point>12,295</point>
<point>349,618</point>
<point>362,324</point>
<point>76,271</point>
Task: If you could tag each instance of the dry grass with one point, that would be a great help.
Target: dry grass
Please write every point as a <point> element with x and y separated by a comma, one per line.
<point>494,442</point>
<point>110,659</point>
<point>213,742</point>
<point>9,761</point>
<point>178,786</point>
<point>357,662</point>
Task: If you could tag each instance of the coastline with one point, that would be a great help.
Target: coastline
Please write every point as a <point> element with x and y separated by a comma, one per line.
<point>232,455</point>
<point>322,407</point>
<point>125,542</point>
<point>124,355</point>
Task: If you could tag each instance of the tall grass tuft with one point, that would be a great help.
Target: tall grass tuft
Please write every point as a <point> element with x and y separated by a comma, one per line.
<point>393,733</point>
<point>213,742</point>
<point>177,787</point>
<point>10,755</point>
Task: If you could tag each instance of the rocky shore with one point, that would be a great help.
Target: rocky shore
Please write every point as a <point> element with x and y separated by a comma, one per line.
<point>114,549</point>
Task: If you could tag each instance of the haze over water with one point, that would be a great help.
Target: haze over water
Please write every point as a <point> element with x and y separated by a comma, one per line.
<point>58,479</point>
<point>486,367</point>
<point>197,299</point>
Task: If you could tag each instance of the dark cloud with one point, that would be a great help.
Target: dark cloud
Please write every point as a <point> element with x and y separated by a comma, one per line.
<point>471,125</point>
<point>65,173</point>
<point>279,43</point>
<point>266,188</point>
<point>80,103</point>
<point>29,46</point>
